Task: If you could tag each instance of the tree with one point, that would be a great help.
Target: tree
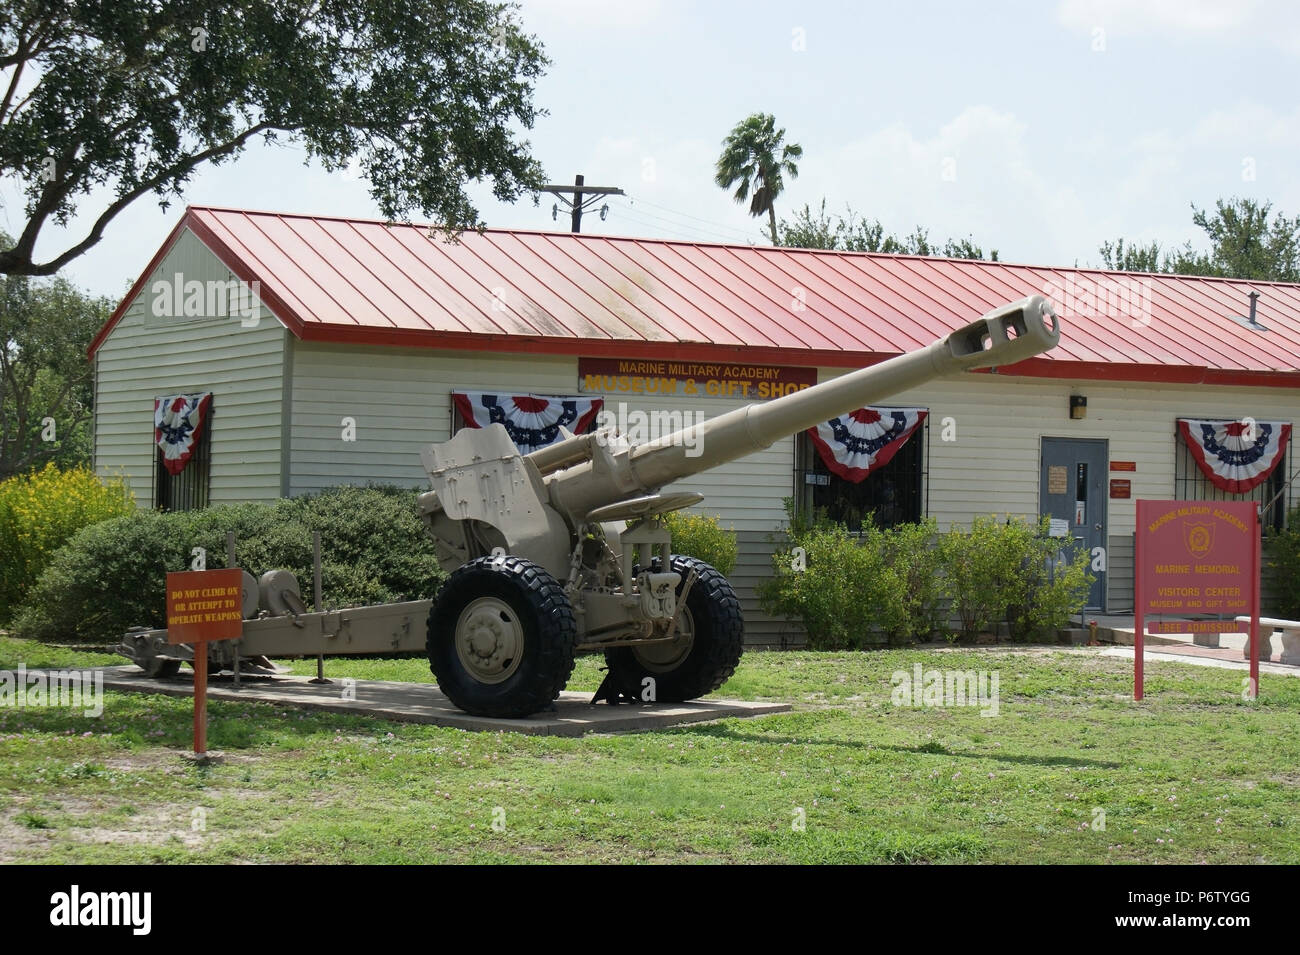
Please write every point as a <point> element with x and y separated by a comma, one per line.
<point>755,159</point>
<point>1244,244</point>
<point>1119,257</point>
<point>809,230</point>
<point>46,384</point>
<point>134,96</point>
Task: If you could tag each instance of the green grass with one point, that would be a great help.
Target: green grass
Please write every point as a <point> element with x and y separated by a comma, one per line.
<point>1192,774</point>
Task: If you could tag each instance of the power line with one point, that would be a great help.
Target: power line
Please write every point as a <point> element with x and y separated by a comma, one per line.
<point>677,230</point>
<point>687,215</point>
<point>633,215</point>
<point>680,227</point>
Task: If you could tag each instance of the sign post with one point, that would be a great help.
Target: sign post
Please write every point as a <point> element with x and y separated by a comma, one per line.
<point>1256,572</point>
<point>1196,557</point>
<point>204,605</point>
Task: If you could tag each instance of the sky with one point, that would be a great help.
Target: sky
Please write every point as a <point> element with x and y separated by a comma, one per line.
<point>1039,129</point>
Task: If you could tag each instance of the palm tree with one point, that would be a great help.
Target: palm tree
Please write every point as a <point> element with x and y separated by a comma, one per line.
<point>749,157</point>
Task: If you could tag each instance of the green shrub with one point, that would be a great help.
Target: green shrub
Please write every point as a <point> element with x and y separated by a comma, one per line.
<point>703,538</point>
<point>110,577</point>
<point>912,552</point>
<point>998,571</point>
<point>1282,557</point>
<point>1051,585</point>
<point>107,578</point>
<point>39,513</point>
<point>376,528</point>
<point>976,575</point>
<point>838,587</point>
<point>905,580</point>
<point>843,585</point>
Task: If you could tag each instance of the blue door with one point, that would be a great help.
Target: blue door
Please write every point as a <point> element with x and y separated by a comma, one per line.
<point>1072,491</point>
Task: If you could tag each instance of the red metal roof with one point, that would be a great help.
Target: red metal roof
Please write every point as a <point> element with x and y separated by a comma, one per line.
<point>370,282</point>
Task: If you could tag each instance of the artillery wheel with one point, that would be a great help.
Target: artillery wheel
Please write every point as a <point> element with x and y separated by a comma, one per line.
<point>711,640</point>
<point>157,666</point>
<point>144,654</point>
<point>501,637</point>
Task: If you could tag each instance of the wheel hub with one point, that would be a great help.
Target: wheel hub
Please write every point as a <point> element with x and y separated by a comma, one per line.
<point>664,657</point>
<point>489,640</point>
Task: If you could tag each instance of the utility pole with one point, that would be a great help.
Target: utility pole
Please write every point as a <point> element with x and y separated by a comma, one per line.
<point>583,197</point>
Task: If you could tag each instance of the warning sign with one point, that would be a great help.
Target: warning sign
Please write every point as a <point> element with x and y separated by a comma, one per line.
<point>205,605</point>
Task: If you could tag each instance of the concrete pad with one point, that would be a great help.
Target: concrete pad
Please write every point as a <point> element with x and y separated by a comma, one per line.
<point>571,714</point>
<point>1206,657</point>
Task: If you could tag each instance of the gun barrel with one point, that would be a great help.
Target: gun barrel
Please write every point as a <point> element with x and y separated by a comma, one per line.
<point>1002,337</point>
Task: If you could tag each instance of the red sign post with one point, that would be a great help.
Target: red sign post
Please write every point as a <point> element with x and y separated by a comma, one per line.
<point>1196,557</point>
<point>204,605</point>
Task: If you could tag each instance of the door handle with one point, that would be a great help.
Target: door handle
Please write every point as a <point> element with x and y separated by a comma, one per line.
<point>1097,526</point>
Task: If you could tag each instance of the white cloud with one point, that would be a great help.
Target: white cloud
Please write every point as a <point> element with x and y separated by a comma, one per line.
<point>1276,21</point>
<point>1248,125</point>
<point>979,174</point>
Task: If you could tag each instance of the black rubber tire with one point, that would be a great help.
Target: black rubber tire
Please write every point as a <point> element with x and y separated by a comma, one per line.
<point>549,633</point>
<point>715,652</point>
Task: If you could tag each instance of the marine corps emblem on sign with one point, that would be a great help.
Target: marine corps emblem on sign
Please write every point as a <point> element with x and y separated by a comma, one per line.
<point>1198,537</point>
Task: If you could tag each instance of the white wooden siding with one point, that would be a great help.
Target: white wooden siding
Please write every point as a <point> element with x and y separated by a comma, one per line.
<point>993,465</point>
<point>400,400</point>
<point>242,366</point>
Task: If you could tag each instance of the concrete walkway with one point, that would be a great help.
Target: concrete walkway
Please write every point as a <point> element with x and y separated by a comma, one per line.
<point>571,714</point>
<point>1167,655</point>
<point>1120,629</point>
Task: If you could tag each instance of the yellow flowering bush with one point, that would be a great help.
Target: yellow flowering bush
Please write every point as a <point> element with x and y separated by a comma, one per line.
<point>39,513</point>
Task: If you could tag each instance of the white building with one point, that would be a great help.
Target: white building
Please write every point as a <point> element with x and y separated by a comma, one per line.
<point>331,349</point>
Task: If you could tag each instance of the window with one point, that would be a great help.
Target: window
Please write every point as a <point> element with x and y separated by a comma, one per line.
<point>184,423</point>
<point>892,493</point>
<point>1191,484</point>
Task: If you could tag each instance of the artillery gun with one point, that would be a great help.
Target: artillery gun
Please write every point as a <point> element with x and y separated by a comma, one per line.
<point>543,565</point>
<point>542,562</point>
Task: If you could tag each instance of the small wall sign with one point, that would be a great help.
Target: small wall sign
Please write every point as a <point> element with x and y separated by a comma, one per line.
<point>666,377</point>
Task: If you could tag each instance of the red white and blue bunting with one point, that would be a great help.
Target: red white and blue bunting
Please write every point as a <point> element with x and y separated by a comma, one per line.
<point>178,422</point>
<point>533,421</point>
<point>855,444</point>
<point>1232,457</point>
